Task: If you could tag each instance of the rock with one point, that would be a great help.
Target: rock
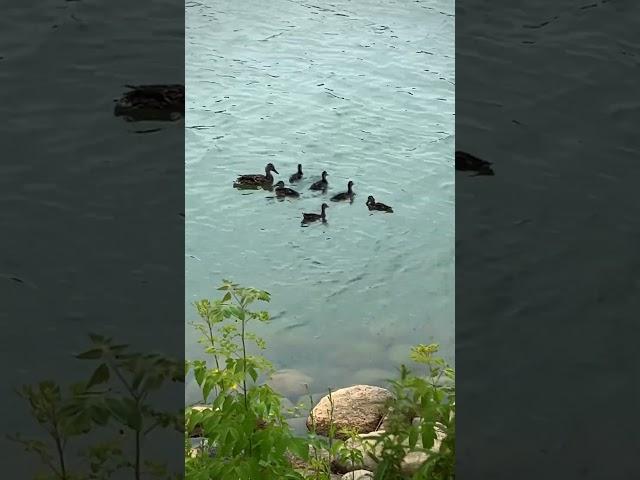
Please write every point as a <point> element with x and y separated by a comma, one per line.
<point>290,382</point>
<point>358,475</point>
<point>197,429</point>
<point>359,408</point>
<point>412,462</point>
<point>368,444</point>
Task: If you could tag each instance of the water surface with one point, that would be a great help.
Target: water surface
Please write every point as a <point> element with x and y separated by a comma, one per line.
<point>364,90</point>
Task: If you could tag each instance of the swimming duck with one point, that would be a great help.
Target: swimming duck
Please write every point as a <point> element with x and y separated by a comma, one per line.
<point>256,181</point>
<point>313,217</point>
<point>467,162</point>
<point>282,191</point>
<point>151,102</point>
<point>348,195</point>
<point>373,205</point>
<point>320,184</point>
<point>296,176</point>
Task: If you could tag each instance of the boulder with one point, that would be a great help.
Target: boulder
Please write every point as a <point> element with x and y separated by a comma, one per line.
<point>359,408</point>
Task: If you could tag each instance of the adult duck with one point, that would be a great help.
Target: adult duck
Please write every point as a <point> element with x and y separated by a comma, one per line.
<point>282,191</point>
<point>348,195</point>
<point>321,184</point>
<point>151,102</point>
<point>373,205</point>
<point>296,176</point>
<point>256,181</point>
<point>470,163</point>
<point>314,217</point>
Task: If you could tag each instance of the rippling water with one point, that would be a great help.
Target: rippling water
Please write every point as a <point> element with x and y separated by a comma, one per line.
<point>362,89</point>
<point>79,198</point>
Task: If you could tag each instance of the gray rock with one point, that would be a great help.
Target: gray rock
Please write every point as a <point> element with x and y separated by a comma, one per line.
<point>359,408</point>
<point>290,382</point>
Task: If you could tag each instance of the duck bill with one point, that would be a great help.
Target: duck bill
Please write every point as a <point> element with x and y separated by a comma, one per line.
<point>276,171</point>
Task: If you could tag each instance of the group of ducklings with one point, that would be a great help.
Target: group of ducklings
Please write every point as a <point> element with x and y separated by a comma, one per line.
<point>255,181</point>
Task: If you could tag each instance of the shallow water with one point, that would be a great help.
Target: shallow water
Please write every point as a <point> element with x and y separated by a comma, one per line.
<point>364,90</point>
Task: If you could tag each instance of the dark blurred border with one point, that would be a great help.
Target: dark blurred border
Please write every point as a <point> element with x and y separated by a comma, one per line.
<point>92,206</point>
<point>547,257</point>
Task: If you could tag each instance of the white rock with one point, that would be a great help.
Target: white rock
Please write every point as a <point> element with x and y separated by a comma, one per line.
<point>358,475</point>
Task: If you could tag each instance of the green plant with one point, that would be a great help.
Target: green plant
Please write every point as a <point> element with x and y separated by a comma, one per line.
<point>243,430</point>
<point>114,403</point>
<point>244,424</point>
<point>432,404</point>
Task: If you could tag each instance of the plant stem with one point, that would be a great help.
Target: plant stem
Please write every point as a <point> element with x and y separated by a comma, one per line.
<point>56,437</point>
<point>137,472</point>
<point>63,471</point>
<point>215,356</point>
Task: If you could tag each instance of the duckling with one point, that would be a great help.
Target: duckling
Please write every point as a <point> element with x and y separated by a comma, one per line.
<point>296,176</point>
<point>282,191</point>
<point>348,195</point>
<point>373,205</point>
<point>151,102</point>
<point>257,181</point>
<point>320,184</point>
<point>467,162</point>
<point>313,217</point>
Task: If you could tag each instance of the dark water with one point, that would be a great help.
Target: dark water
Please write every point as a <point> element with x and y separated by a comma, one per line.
<point>364,90</point>
<point>84,199</point>
<point>547,259</point>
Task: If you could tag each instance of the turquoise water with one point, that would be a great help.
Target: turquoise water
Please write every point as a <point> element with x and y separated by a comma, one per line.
<point>364,90</point>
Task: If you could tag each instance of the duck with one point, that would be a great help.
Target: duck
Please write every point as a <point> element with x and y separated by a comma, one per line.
<point>467,162</point>
<point>373,205</point>
<point>282,191</point>
<point>151,102</point>
<point>296,176</point>
<point>257,180</point>
<point>314,217</point>
<point>348,195</point>
<point>321,184</point>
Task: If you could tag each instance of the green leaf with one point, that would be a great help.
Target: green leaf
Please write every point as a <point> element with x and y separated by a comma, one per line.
<point>100,375</point>
<point>91,354</point>
<point>413,437</point>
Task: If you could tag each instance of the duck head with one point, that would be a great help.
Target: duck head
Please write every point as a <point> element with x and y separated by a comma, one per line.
<point>371,200</point>
<point>349,185</point>
<point>324,207</point>
<point>270,168</point>
<point>300,168</point>
<point>280,184</point>
<point>324,175</point>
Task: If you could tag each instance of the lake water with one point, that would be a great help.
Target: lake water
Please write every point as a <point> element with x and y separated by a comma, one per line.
<point>362,89</point>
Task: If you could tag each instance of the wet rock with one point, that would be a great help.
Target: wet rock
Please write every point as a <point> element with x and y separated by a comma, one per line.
<point>290,382</point>
<point>359,408</point>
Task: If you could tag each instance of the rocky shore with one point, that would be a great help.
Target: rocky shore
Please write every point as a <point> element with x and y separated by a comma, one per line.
<point>358,409</point>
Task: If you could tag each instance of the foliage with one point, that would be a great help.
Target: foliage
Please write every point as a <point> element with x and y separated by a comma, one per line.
<point>244,425</point>
<point>245,434</point>
<point>431,402</point>
<point>115,402</point>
